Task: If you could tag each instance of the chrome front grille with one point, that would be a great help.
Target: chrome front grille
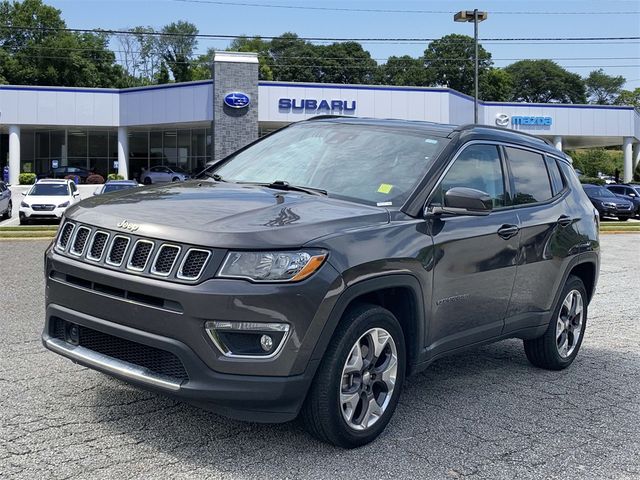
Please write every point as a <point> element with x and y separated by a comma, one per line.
<point>140,255</point>
<point>118,249</point>
<point>133,254</point>
<point>80,241</point>
<point>65,236</point>
<point>165,259</point>
<point>193,263</point>
<point>98,244</point>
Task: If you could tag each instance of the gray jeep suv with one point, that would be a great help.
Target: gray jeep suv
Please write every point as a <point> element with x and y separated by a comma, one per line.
<point>310,272</point>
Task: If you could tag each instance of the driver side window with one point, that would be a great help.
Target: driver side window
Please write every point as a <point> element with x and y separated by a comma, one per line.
<point>478,167</point>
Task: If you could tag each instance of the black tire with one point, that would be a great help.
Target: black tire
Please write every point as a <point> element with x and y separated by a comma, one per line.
<point>543,352</point>
<point>175,179</point>
<point>623,219</point>
<point>147,181</point>
<point>322,410</point>
<point>24,221</point>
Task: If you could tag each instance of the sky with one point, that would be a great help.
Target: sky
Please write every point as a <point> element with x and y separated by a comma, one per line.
<point>506,19</point>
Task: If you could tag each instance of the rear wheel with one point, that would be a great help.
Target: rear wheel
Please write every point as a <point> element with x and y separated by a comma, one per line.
<point>560,344</point>
<point>147,181</point>
<point>356,389</point>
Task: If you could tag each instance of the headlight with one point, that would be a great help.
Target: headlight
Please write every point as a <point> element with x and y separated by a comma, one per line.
<point>271,266</point>
<point>609,204</point>
<point>65,204</point>
<point>24,204</point>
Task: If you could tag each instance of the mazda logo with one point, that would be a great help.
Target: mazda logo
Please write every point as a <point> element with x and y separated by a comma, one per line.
<point>502,119</point>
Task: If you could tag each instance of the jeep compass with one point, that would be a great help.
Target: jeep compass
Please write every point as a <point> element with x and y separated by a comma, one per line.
<point>310,272</point>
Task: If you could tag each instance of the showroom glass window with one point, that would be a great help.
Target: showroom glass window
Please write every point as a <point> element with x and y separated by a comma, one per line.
<point>530,177</point>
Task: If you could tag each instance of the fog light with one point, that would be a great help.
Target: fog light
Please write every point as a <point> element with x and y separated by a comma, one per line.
<point>266,342</point>
<point>247,339</point>
<point>72,333</point>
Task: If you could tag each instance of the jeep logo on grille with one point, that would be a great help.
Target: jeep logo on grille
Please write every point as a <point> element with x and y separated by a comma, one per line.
<point>126,225</point>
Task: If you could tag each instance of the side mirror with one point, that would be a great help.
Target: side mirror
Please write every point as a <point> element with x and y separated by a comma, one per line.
<point>463,201</point>
<point>76,194</point>
<point>24,194</point>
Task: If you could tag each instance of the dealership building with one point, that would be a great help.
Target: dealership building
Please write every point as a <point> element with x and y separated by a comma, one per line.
<point>189,124</point>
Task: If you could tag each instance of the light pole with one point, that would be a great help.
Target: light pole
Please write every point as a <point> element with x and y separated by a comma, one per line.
<point>476,17</point>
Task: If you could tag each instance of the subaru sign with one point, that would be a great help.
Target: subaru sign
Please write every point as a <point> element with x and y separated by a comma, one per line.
<point>237,100</point>
<point>502,120</point>
<point>311,105</point>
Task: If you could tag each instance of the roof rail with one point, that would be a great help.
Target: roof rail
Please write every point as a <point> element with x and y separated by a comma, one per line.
<point>471,126</point>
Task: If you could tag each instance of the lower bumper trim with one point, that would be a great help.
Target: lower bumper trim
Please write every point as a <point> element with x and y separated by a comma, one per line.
<point>111,365</point>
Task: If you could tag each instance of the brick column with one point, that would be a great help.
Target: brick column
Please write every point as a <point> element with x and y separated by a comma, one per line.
<point>233,128</point>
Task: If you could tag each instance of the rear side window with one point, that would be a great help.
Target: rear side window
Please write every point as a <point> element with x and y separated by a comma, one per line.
<point>530,177</point>
<point>479,167</point>
<point>557,184</point>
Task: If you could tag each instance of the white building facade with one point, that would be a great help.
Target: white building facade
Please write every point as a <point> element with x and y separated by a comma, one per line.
<point>125,131</point>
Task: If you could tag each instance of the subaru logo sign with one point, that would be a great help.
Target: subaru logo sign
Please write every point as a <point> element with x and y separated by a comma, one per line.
<point>237,100</point>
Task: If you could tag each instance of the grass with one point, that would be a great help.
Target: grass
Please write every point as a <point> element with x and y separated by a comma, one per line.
<point>22,231</point>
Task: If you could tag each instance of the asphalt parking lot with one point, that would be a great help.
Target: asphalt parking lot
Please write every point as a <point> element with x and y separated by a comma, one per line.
<point>486,413</point>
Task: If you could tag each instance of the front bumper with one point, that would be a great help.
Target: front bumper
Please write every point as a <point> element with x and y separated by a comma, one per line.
<point>252,389</point>
<point>243,397</point>
<point>29,213</point>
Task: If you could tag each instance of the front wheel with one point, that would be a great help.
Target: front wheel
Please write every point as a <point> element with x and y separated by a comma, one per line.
<point>560,344</point>
<point>175,179</point>
<point>147,181</point>
<point>623,219</point>
<point>358,383</point>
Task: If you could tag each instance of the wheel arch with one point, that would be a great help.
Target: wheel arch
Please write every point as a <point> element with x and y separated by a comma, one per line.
<point>401,294</point>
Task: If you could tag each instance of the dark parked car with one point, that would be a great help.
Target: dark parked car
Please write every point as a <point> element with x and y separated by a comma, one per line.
<point>630,193</point>
<point>116,186</point>
<point>608,204</point>
<point>62,172</point>
<point>312,271</point>
<point>6,206</point>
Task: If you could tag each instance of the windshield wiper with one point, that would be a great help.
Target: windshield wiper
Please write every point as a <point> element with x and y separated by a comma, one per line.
<point>215,176</point>
<point>283,185</point>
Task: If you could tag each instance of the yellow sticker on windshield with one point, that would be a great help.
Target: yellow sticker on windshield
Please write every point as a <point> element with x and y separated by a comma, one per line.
<point>385,188</point>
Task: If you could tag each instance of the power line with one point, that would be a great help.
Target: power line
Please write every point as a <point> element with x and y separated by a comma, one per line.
<point>389,10</point>
<point>329,39</point>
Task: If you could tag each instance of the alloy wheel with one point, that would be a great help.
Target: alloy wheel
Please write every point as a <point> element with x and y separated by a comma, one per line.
<point>368,379</point>
<point>569,323</point>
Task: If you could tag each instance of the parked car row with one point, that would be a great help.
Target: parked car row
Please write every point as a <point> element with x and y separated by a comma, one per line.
<point>620,201</point>
<point>156,174</point>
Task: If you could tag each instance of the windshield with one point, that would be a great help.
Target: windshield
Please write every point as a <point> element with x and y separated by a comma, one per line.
<point>599,192</point>
<point>50,189</point>
<point>373,164</point>
<point>115,187</point>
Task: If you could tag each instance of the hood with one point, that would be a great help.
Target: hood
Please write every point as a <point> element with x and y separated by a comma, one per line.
<point>615,200</point>
<point>46,199</point>
<point>226,215</point>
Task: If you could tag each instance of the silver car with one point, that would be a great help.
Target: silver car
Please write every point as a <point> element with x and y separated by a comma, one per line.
<point>160,174</point>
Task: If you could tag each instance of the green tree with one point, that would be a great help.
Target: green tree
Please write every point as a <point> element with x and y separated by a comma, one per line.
<point>496,85</point>
<point>597,160</point>
<point>258,45</point>
<point>163,74</point>
<point>603,89</point>
<point>404,70</point>
<point>544,81</point>
<point>628,97</point>
<point>41,52</point>
<point>345,62</point>
<point>177,44</point>
<point>450,62</point>
<point>294,59</point>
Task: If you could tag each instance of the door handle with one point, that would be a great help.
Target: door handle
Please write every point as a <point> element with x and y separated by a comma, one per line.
<point>508,231</point>
<point>564,220</point>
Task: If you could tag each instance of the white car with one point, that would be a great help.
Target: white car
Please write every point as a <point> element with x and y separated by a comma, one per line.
<point>160,174</point>
<point>48,200</point>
